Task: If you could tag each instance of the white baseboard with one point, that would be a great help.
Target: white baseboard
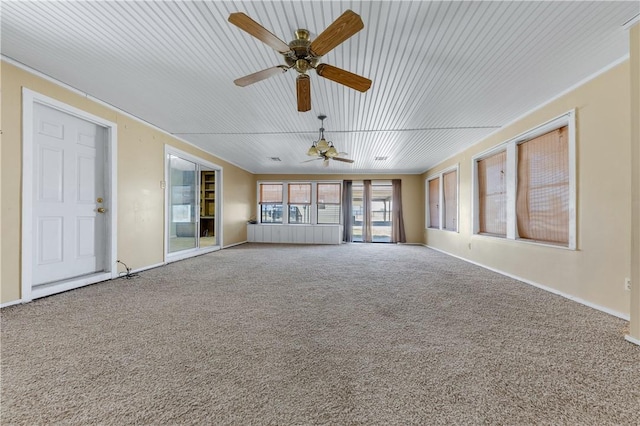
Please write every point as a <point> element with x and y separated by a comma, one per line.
<point>15,302</point>
<point>186,254</point>
<point>235,244</point>
<point>632,339</point>
<point>145,268</point>
<point>540,286</point>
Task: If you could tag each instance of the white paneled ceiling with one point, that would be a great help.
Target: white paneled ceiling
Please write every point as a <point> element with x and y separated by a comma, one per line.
<point>445,74</point>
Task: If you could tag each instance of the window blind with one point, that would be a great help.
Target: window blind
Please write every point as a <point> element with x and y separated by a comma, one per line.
<point>328,193</point>
<point>542,198</point>
<point>299,193</point>
<point>492,191</point>
<point>270,193</point>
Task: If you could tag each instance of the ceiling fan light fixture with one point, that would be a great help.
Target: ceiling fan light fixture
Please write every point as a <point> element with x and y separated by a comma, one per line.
<point>322,144</point>
<point>325,150</point>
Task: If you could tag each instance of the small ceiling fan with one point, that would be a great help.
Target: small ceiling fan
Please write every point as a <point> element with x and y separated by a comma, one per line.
<point>323,149</point>
<point>303,54</point>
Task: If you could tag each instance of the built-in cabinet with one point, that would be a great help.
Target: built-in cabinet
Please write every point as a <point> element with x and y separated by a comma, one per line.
<point>207,203</point>
<point>295,234</point>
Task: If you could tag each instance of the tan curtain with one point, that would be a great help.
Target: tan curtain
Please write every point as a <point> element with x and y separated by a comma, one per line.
<point>434,203</point>
<point>450,194</point>
<point>542,200</point>
<point>367,232</point>
<point>492,186</point>
<point>397,222</point>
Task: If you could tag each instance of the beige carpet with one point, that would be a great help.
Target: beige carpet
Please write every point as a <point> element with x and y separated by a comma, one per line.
<point>351,334</point>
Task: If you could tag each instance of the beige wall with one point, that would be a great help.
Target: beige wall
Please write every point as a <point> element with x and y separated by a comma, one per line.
<point>140,171</point>
<point>596,271</point>
<point>635,184</point>
<point>1,140</point>
<point>412,196</point>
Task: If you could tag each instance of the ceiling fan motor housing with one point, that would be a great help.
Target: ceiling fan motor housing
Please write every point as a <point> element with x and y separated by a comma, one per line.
<point>300,58</point>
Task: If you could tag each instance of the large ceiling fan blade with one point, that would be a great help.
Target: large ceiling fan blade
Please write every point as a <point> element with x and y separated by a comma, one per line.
<point>260,75</point>
<point>303,87</point>
<point>313,159</point>
<point>247,24</point>
<point>341,29</point>
<point>344,160</point>
<point>341,76</point>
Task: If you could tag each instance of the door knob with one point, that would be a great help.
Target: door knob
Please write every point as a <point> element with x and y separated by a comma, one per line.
<point>101,210</point>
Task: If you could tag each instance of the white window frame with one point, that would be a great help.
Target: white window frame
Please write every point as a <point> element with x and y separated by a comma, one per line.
<point>511,147</point>
<point>314,194</point>
<point>440,175</point>
<point>285,201</point>
<point>285,188</point>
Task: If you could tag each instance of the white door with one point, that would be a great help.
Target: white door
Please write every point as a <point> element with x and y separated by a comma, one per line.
<point>69,205</point>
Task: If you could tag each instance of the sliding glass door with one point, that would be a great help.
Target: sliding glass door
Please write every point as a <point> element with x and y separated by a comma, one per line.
<point>381,219</point>
<point>193,219</point>
<point>183,223</point>
<point>372,212</point>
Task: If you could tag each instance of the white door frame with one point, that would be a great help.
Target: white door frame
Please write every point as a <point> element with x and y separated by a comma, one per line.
<point>29,98</point>
<point>183,254</point>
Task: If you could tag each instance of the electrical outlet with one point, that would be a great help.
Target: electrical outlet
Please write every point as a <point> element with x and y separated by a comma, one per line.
<point>627,284</point>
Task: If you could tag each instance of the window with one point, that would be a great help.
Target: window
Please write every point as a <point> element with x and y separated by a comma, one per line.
<point>492,187</point>
<point>525,189</point>
<point>299,202</point>
<point>270,203</point>
<point>442,200</point>
<point>328,203</point>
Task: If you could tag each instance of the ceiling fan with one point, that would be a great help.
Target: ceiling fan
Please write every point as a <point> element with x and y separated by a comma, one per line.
<point>303,54</point>
<point>323,149</point>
